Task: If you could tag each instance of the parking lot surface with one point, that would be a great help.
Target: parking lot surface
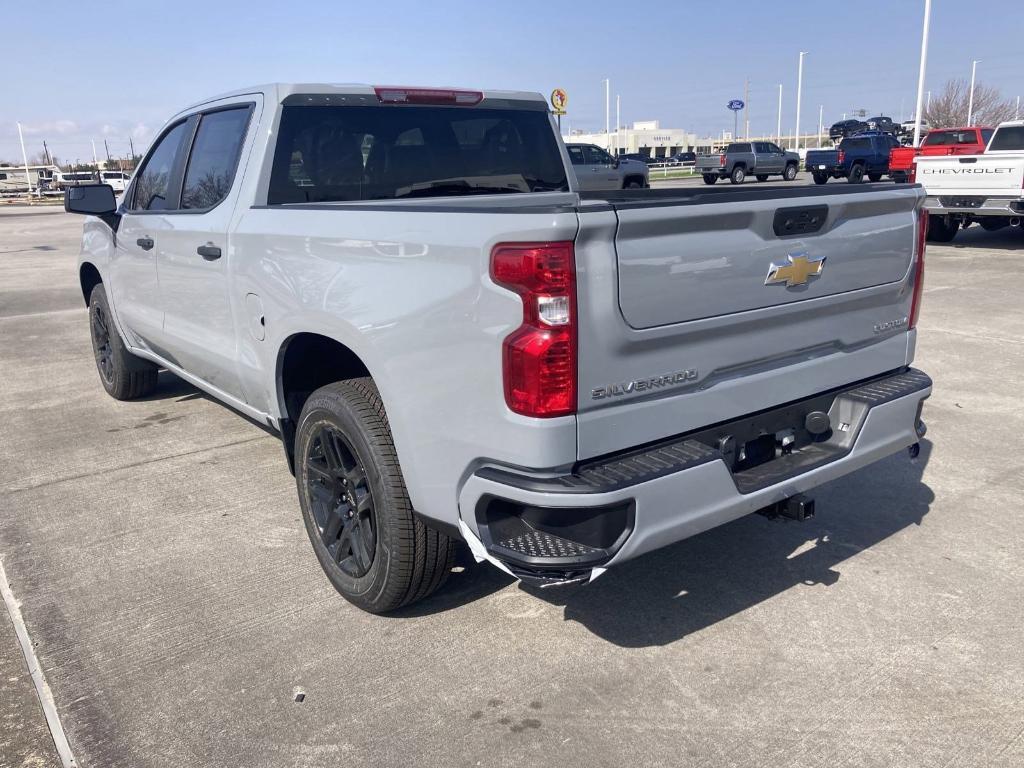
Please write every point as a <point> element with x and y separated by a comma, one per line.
<point>177,609</point>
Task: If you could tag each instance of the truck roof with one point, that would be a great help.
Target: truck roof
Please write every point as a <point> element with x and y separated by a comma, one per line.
<point>278,92</point>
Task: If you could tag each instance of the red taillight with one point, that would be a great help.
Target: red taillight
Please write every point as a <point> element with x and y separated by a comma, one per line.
<point>399,95</point>
<point>721,160</point>
<point>841,156</point>
<point>922,238</point>
<point>539,357</point>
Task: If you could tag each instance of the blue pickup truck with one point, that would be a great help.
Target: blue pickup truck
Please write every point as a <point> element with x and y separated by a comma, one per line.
<point>864,154</point>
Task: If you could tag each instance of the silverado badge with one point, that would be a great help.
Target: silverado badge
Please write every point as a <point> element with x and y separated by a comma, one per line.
<point>796,270</point>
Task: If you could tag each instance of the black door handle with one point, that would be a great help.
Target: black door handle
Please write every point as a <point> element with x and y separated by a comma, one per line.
<point>145,243</point>
<point>209,252</point>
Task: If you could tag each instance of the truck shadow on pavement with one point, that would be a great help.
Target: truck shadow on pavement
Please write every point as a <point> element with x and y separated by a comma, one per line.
<point>671,593</point>
<point>1006,239</point>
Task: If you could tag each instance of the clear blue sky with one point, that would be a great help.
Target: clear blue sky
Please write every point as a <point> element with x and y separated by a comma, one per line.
<point>80,70</point>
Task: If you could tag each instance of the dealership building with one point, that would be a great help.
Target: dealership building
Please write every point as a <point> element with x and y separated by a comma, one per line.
<point>645,138</point>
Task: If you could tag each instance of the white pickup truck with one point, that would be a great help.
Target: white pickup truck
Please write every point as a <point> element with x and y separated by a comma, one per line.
<point>987,188</point>
<point>457,344</point>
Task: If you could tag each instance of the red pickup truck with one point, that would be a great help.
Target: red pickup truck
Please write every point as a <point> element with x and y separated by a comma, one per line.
<point>941,141</point>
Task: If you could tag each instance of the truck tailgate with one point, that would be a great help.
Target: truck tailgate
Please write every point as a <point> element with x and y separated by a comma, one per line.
<point>707,309</point>
<point>688,262</point>
<point>987,175</point>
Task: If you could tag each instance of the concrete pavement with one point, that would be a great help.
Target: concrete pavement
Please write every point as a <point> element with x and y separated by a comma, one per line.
<point>177,609</point>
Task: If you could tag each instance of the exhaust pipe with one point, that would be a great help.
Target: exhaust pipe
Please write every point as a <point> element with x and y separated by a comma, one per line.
<point>1015,221</point>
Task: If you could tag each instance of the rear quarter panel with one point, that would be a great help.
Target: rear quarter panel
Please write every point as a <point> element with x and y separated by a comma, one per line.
<point>407,290</point>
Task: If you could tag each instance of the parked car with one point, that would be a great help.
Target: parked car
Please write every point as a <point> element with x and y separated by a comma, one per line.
<point>866,154</point>
<point>984,188</point>
<point>943,141</point>
<point>455,343</point>
<point>684,158</point>
<point>75,178</point>
<point>760,159</point>
<point>907,127</point>
<point>883,124</point>
<point>116,179</point>
<point>596,169</point>
<point>844,128</point>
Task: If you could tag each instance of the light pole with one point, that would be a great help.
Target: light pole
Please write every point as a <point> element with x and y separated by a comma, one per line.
<point>607,110</point>
<point>799,93</point>
<point>618,124</point>
<point>24,159</point>
<point>778,128</point>
<point>970,102</point>
<point>920,73</point>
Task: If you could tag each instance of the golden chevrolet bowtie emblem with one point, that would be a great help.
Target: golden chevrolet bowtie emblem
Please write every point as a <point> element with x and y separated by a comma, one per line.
<point>796,270</point>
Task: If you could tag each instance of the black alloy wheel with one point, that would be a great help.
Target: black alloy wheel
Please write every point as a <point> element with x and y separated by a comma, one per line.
<point>341,501</point>
<point>100,327</point>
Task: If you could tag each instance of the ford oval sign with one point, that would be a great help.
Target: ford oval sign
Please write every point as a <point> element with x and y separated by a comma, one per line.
<point>735,105</point>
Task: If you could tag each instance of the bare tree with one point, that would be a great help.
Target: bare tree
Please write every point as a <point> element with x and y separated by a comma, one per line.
<point>949,108</point>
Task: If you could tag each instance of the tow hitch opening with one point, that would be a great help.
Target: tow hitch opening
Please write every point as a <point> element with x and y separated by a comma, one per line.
<point>799,508</point>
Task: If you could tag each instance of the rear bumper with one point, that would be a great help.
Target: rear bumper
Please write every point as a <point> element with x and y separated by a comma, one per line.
<point>660,494</point>
<point>977,205</point>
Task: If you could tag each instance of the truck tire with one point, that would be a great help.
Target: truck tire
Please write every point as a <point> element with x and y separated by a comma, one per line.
<point>874,177</point>
<point>710,178</point>
<point>819,178</point>
<point>941,229</point>
<point>790,173</point>
<point>123,375</point>
<point>739,173</point>
<point>900,177</point>
<point>355,506</point>
<point>633,183</point>
<point>856,174</point>
<point>762,177</point>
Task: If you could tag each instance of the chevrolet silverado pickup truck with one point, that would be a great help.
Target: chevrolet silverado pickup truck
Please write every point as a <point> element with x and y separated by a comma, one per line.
<point>945,141</point>
<point>986,188</point>
<point>866,154</point>
<point>740,159</point>
<point>455,344</point>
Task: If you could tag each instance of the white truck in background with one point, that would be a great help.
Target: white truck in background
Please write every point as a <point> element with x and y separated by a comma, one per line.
<point>988,188</point>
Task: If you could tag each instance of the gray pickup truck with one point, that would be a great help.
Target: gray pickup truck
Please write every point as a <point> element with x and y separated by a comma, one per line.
<point>455,344</point>
<point>759,159</point>
<point>595,169</point>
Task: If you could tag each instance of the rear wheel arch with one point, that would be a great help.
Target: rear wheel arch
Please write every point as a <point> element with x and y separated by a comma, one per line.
<point>306,362</point>
<point>88,277</point>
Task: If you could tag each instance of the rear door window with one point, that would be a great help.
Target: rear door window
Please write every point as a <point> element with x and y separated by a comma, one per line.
<point>339,153</point>
<point>737,148</point>
<point>576,155</point>
<point>214,157</point>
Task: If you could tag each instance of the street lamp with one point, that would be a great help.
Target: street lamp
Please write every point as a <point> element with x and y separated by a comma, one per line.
<point>778,128</point>
<point>970,102</point>
<point>920,74</point>
<point>607,111</point>
<point>799,91</point>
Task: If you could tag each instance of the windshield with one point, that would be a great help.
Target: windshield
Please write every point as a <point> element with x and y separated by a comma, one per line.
<point>1010,137</point>
<point>329,153</point>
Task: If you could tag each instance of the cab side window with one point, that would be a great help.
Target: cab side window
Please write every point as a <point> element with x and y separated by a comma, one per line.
<point>576,155</point>
<point>155,185</point>
<point>596,156</point>
<point>214,157</point>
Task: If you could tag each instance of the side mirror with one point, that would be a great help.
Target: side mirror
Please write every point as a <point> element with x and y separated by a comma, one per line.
<point>90,199</point>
